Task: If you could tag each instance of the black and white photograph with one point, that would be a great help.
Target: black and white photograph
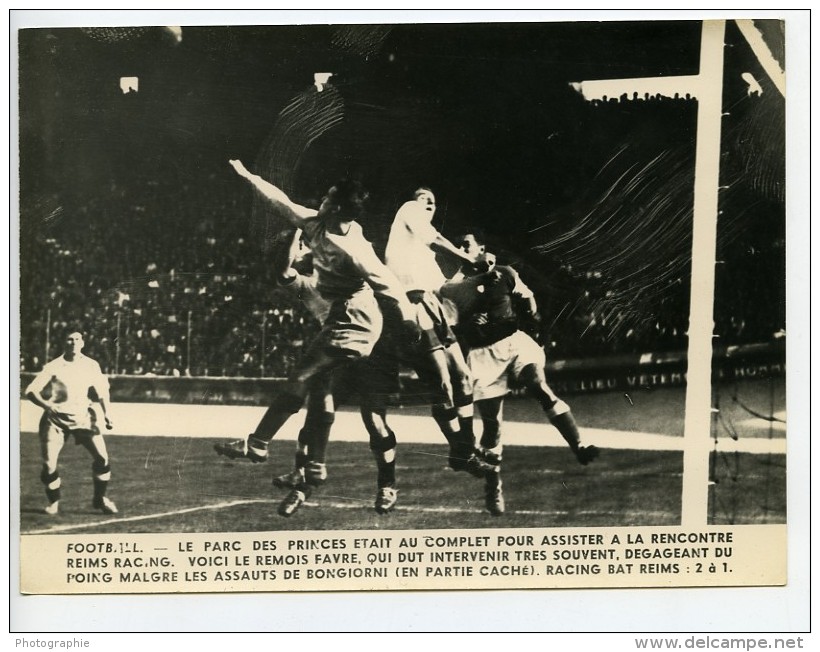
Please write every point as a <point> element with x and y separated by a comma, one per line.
<point>402,305</point>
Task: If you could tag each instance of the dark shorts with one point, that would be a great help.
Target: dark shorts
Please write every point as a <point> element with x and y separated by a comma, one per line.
<point>373,380</point>
<point>378,375</point>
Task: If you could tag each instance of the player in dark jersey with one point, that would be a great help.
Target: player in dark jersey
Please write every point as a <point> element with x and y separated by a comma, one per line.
<point>501,354</point>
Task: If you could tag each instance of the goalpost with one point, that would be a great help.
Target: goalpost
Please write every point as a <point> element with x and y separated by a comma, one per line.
<point>707,88</point>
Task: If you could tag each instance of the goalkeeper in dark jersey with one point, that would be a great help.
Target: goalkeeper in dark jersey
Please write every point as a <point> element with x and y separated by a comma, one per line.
<point>501,354</point>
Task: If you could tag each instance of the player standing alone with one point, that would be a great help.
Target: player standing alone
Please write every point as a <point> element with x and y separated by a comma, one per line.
<point>62,389</point>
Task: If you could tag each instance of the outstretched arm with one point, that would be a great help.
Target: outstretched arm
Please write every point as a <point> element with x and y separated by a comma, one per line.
<point>469,283</point>
<point>443,245</point>
<point>294,213</point>
<point>384,283</point>
<point>416,219</point>
<point>524,294</point>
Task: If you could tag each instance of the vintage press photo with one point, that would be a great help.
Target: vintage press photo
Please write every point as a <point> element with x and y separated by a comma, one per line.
<point>402,306</point>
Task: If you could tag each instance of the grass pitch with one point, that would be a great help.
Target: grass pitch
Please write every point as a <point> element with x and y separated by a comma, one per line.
<point>178,484</point>
<point>166,484</point>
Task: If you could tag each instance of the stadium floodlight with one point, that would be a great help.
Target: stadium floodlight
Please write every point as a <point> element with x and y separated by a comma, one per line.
<point>129,85</point>
<point>320,79</point>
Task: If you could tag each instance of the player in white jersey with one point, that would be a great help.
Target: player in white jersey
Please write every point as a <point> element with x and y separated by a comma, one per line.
<point>350,277</point>
<point>501,355</point>
<point>295,272</point>
<point>411,255</point>
<point>62,389</point>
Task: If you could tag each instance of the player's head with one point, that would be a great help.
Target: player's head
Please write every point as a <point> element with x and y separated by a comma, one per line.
<point>74,343</point>
<point>426,198</point>
<point>345,200</point>
<point>473,244</point>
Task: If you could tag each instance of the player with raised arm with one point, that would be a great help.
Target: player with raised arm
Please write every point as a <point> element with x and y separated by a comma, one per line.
<point>501,354</point>
<point>410,254</point>
<point>295,272</point>
<point>350,277</point>
<point>63,389</point>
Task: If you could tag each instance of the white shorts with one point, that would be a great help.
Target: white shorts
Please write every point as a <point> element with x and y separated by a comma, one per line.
<point>495,366</point>
<point>55,431</point>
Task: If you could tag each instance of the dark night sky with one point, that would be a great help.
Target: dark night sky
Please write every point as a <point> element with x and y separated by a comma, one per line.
<point>482,113</point>
<point>464,107</point>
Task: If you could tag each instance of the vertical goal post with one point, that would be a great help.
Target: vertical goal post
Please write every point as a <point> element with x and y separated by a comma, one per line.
<point>707,88</point>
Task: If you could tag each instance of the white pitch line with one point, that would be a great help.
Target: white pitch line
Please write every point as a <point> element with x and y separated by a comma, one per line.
<point>333,505</point>
<point>605,474</point>
<point>144,517</point>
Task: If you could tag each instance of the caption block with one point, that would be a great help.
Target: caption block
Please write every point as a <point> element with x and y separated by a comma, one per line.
<point>316,561</point>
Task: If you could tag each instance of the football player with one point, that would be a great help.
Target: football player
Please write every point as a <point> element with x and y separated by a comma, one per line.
<point>62,390</point>
<point>349,277</point>
<point>411,255</point>
<point>501,354</point>
<point>295,272</point>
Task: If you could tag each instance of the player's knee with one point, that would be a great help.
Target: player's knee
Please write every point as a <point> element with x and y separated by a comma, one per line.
<point>50,477</point>
<point>374,423</point>
<point>317,405</point>
<point>492,423</point>
<point>533,376</point>
<point>319,419</point>
<point>289,401</point>
<point>101,469</point>
<point>462,370</point>
<point>543,394</point>
<point>384,442</point>
<point>538,392</point>
<point>558,408</point>
<point>463,391</point>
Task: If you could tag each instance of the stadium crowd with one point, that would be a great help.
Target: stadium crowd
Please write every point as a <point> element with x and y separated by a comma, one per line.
<point>200,298</point>
<point>212,307</point>
<point>209,312</point>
